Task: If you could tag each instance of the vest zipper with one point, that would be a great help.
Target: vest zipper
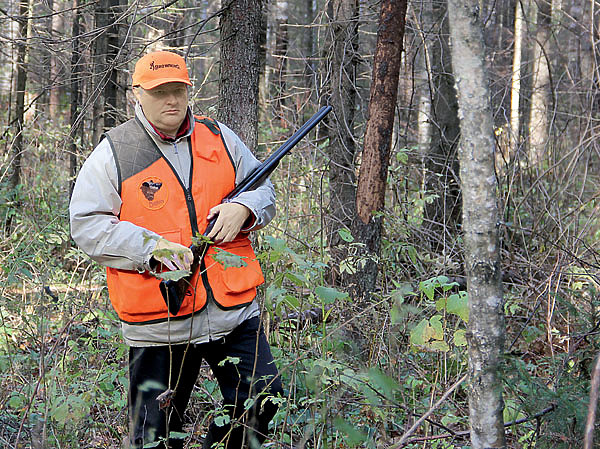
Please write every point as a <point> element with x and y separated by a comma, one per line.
<point>189,200</point>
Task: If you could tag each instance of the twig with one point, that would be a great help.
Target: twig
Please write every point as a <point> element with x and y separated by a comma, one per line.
<point>465,433</point>
<point>414,427</point>
<point>588,440</point>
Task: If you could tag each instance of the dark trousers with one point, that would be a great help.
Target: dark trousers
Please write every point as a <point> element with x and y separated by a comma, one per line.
<point>243,366</point>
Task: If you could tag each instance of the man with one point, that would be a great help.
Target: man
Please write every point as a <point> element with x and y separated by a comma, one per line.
<point>146,189</point>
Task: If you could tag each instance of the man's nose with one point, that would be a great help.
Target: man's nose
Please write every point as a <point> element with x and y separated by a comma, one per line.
<point>172,98</point>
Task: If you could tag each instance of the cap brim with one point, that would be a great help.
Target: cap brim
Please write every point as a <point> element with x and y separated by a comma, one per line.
<point>154,83</point>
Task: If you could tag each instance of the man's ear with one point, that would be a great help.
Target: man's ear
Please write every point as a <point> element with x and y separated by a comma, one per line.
<point>137,93</point>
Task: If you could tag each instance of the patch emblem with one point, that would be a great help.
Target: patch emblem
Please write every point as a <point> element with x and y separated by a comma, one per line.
<point>153,194</point>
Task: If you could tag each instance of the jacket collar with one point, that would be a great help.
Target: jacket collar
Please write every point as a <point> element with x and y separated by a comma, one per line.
<point>186,129</point>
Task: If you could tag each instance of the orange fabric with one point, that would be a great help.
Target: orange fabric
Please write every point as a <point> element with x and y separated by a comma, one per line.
<point>155,200</point>
<point>160,67</point>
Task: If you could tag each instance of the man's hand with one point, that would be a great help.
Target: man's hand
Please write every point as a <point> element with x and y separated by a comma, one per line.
<point>172,255</point>
<point>230,219</point>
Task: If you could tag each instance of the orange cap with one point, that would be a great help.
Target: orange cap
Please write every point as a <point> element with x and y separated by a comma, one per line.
<point>160,67</point>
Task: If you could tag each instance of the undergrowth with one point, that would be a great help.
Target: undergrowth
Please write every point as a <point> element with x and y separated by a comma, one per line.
<point>352,377</point>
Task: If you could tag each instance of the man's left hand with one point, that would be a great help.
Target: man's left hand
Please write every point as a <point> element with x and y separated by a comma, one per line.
<point>230,219</point>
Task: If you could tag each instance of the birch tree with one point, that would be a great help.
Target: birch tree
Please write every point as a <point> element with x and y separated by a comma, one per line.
<point>485,334</point>
<point>515,90</point>
<point>540,96</point>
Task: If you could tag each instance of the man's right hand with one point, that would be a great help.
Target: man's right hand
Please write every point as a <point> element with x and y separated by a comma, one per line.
<point>172,255</point>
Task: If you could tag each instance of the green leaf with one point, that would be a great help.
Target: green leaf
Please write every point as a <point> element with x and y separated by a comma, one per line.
<point>148,237</point>
<point>229,359</point>
<point>174,275</point>
<point>346,235</point>
<point>222,420</point>
<point>429,334</point>
<point>297,278</point>
<point>417,335</point>
<point>16,400</point>
<point>458,304</point>
<point>199,240</point>
<point>438,345</point>
<point>354,437</point>
<point>291,301</point>
<point>178,435</point>
<point>330,295</point>
<point>459,338</point>
<point>272,292</point>
<point>384,383</point>
<point>437,328</point>
<point>428,289</point>
<point>227,259</point>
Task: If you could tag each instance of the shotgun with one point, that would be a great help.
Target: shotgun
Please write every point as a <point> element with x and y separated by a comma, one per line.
<point>173,292</point>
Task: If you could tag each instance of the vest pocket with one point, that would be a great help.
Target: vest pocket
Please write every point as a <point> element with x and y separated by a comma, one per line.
<point>172,236</point>
<point>240,279</point>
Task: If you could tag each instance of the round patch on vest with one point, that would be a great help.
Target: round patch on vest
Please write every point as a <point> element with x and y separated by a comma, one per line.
<point>153,193</point>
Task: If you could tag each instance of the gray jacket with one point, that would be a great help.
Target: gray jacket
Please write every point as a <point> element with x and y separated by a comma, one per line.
<point>97,230</point>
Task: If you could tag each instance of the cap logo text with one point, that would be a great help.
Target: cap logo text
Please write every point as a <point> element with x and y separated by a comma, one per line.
<point>163,66</point>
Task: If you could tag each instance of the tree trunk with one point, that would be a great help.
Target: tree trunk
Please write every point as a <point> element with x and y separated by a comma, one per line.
<point>480,217</point>
<point>240,67</point>
<point>101,69</point>
<point>540,96</point>
<point>281,60</point>
<point>114,90</point>
<point>515,88</point>
<point>370,195</point>
<point>344,61</point>
<point>75,94</point>
<point>594,37</point>
<point>310,46</point>
<point>442,211</point>
<point>56,84</point>
<point>21,81</point>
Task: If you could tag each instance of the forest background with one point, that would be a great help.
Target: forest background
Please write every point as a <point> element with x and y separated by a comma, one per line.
<point>368,324</point>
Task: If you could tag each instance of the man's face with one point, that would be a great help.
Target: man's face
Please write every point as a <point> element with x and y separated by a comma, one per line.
<point>165,106</point>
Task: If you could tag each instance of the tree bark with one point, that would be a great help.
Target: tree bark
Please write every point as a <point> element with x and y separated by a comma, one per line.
<point>370,195</point>
<point>442,211</point>
<point>282,41</point>
<point>21,82</point>
<point>114,90</point>
<point>100,67</point>
<point>75,94</point>
<point>240,68</point>
<point>56,84</point>
<point>485,333</point>
<point>515,88</point>
<point>540,96</point>
<point>344,62</point>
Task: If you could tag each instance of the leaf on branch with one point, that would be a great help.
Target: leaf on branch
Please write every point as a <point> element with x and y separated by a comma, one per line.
<point>330,295</point>
<point>227,259</point>
<point>174,275</point>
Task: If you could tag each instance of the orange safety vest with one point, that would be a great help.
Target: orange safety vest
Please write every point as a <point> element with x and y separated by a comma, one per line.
<point>154,198</point>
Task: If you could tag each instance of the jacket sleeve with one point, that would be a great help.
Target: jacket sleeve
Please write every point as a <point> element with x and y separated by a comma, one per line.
<point>260,201</point>
<point>94,211</point>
